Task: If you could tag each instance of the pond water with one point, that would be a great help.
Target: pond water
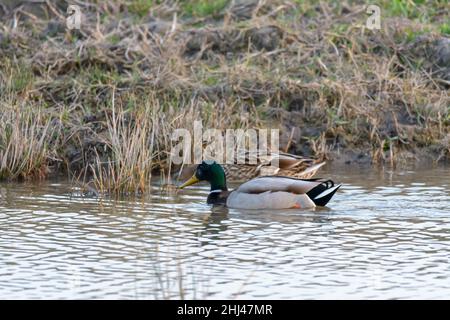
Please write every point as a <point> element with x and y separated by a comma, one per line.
<point>384,235</point>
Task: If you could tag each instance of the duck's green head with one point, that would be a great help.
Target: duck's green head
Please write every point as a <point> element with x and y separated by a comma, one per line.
<point>209,171</point>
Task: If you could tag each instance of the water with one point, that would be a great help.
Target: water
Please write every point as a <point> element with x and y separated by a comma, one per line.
<point>385,235</point>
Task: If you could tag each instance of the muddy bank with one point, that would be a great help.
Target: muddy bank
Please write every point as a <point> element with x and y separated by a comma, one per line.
<point>335,89</point>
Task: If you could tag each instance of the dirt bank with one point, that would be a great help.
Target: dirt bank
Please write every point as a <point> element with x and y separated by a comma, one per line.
<point>71,100</point>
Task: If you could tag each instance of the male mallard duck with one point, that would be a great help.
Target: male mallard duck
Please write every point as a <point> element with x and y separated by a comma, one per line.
<point>289,165</point>
<point>269,192</point>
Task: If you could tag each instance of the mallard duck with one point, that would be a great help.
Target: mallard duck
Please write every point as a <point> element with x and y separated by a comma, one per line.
<point>268,192</point>
<point>289,165</point>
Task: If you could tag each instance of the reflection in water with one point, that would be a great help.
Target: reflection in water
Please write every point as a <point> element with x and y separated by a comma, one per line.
<point>385,235</point>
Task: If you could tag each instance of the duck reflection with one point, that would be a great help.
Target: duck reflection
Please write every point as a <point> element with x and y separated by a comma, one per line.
<point>220,218</point>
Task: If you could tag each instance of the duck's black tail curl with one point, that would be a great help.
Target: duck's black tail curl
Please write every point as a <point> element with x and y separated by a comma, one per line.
<point>323,192</point>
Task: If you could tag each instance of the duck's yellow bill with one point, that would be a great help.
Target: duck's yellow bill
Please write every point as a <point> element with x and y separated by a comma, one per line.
<point>191,181</point>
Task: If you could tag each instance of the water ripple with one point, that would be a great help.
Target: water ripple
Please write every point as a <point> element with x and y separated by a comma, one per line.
<point>386,235</point>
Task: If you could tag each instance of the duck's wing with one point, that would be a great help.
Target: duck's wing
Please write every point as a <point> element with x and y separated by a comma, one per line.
<point>289,165</point>
<point>289,161</point>
<point>286,160</point>
<point>311,171</point>
<point>298,171</point>
<point>278,183</point>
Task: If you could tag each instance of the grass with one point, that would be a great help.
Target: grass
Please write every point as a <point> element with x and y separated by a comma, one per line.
<point>24,135</point>
<point>128,169</point>
<point>18,77</point>
<point>203,8</point>
<point>445,29</point>
<point>101,104</point>
<point>141,7</point>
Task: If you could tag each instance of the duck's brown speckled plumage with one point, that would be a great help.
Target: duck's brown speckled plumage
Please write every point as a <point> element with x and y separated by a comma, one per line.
<point>289,165</point>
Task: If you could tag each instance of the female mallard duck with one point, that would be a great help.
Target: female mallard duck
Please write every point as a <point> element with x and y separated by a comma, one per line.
<point>270,192</point>
<point>289,165</point>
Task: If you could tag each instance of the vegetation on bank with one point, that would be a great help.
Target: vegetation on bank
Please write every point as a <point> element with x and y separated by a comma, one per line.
<point>101,103</point>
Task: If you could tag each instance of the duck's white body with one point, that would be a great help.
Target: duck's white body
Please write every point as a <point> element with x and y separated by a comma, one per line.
<point>272,193</point>
<point>269,200</point>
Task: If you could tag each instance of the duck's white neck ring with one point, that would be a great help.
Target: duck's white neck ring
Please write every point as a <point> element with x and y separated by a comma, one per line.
<point>214,191</point>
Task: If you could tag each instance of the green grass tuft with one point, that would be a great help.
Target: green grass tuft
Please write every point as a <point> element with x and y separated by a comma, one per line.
<point>445,29</point>
<point>203,8</point>
<point>140,7</point>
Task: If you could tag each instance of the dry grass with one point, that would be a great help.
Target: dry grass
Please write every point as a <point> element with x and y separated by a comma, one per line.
<point>131,144</point>
<point>24,134</point>
<point>102,103</point>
